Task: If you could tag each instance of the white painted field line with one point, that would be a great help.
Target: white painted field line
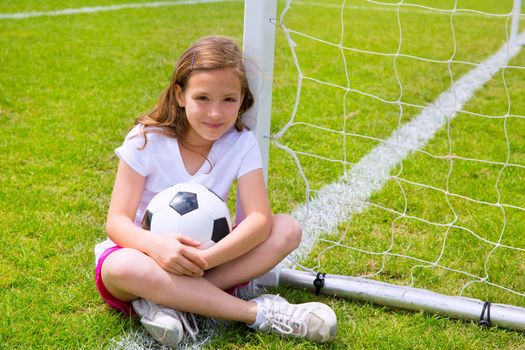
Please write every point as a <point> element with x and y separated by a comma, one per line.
<point>81,10</point>
<point>335,202</point>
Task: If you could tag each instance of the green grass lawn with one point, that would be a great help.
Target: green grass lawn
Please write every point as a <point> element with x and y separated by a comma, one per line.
<point>71,86</point>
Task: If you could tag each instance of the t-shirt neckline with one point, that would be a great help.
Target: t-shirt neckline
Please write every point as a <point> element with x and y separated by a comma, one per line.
<point>206,162</point>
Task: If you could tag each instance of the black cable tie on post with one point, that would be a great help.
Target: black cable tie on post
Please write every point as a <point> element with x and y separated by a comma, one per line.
<point>484,321</point>
<point>319,282</point>
<point>275,21</point>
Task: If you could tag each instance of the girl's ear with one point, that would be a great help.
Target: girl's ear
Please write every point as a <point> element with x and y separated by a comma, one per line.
<point>179,95</point>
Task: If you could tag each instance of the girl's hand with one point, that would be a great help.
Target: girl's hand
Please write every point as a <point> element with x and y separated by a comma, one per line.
<point>177,254</point>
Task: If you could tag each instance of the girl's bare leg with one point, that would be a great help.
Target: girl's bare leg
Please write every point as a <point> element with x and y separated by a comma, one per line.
<point>284,237</point>
<point>149,281</point>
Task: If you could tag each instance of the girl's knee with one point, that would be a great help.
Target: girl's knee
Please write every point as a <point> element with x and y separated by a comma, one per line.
<point>118,275</point>
<point>117,267</point>
<point>288,232</point>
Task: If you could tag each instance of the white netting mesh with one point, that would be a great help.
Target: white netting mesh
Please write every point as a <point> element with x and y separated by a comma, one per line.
<point>407,132</point>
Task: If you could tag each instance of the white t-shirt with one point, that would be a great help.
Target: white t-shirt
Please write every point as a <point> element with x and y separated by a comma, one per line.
<point>232,156</point>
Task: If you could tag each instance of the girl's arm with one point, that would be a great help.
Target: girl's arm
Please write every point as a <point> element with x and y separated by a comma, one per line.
<point>175,254</point>
<point>253,230</point>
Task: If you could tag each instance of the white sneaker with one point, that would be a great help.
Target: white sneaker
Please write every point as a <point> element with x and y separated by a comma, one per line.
<point>313,321</point>
<point>161,322</point>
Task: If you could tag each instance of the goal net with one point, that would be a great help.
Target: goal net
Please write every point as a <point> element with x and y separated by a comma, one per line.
<point>398,141</point>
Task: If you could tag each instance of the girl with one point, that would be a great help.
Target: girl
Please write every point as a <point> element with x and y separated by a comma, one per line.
<point>196,134</point>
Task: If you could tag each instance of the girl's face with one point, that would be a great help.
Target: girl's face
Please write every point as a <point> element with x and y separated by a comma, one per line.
<point>212,100</point>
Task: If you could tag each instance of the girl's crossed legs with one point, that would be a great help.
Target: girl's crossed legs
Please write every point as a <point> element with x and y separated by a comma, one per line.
<point>128,274</point>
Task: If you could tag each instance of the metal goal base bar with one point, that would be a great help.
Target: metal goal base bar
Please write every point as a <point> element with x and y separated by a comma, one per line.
<point>483,312</point>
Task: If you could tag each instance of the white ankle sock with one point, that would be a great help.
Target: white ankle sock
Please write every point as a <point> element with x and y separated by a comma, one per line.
<point>261,318</point>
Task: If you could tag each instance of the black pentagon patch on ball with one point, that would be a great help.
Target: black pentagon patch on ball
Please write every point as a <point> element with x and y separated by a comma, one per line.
<point>220,229</point>
<point>184,202</point>
<point>146,220</point>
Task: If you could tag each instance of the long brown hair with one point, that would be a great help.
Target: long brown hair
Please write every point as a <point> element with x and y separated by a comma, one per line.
<point>206,54</point>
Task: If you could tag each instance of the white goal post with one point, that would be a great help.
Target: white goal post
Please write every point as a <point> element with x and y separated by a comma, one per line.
<point>259,46</point>
<point>260,23</point>
<point>516,12</point>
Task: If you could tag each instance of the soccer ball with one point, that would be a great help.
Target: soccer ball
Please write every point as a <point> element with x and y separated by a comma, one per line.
<point>191,210</point>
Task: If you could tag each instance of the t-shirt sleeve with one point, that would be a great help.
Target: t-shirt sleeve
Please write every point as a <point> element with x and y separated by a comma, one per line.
<point>252,157</point>
<point>132,151</point>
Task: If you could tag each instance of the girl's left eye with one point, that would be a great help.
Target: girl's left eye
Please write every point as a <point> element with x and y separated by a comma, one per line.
<point>230,99</point>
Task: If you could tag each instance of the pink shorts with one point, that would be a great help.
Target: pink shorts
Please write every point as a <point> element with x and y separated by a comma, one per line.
<point>125,306</point>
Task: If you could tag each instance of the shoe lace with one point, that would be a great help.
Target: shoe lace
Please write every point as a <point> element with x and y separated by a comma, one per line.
<point>285,318</point>
<point>187,319</point>
<point>190,324</point>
